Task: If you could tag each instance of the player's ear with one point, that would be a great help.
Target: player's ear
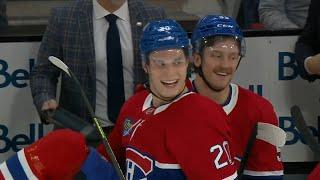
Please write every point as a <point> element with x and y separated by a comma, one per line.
<point>196,60</point>
<point>145,67</point>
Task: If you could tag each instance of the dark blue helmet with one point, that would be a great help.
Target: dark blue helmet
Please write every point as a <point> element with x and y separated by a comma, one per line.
<point>161,35</point>
<point>216,25</point>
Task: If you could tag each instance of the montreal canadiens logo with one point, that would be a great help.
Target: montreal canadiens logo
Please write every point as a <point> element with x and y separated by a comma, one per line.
<point>127,125</point>
<point>138,165</point>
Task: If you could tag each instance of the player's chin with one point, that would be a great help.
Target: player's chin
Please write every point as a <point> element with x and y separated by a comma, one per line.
<point>170,93</point>
<point>220,86</point>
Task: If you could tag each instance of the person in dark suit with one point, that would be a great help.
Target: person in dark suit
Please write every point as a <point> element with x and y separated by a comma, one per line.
<point>307,54</point>
<point>77,35</point>
<point>307,49</point>
<point>3,15</point>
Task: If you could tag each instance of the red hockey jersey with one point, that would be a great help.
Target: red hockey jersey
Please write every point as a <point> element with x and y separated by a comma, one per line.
<point>181,140</point>
<point>245,109</point>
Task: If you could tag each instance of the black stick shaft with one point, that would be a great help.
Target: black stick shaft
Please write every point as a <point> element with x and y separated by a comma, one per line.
<point>99,129</point>
<point>305,131</point>
<point>246,155</point>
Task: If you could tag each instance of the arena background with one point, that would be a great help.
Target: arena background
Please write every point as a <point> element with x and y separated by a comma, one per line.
<point>269,69</point>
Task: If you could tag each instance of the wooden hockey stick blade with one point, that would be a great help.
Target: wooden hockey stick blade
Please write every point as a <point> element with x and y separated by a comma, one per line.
<point>266,132</point>
<point>271,134</point>
<point>304,130</point>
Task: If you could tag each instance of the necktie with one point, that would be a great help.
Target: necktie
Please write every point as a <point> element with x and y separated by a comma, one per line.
<point>114,69</point>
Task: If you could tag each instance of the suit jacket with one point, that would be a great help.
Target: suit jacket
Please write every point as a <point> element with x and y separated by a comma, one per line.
<point>308,43</point>
<point>3,14</point>
<point>69,36</point>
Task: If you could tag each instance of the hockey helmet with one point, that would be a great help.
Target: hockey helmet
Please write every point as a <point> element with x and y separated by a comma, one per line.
<point>161,35</point>
<point>216,25</point>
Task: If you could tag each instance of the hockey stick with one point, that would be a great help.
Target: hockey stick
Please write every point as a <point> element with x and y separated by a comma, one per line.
<point>63,118</point>
<point>58,63</point>
<point>271,134</point>
<point>244,160</point>
<point>266,132</point>
<point>305,131</point>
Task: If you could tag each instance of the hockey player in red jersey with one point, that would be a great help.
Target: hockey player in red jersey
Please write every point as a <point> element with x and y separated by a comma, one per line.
<point>166,131</point>
<point>315,173</point>
<point>218,47</point>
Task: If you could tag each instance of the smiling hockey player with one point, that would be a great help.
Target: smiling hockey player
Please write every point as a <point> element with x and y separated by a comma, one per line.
<point>168,132</point>
<point>218,46</point>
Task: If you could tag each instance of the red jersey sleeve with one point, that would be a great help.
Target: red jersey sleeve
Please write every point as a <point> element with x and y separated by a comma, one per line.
<point>264,159</point>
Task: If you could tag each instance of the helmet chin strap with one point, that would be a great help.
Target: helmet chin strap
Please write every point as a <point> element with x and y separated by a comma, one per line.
<point>147,86</point>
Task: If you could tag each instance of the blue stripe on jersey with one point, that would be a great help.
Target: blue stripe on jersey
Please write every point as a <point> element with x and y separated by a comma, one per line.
<point>15,168</point>
<point>138,166</point>
<point>229,97</point>
<point>247,177</point>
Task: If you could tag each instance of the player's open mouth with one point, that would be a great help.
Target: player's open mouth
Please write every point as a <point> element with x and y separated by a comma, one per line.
<point>170,83</point>
<point>222,74</point>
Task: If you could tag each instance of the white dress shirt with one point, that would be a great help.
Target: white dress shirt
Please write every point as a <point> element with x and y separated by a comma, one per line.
<point>100,27</point>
